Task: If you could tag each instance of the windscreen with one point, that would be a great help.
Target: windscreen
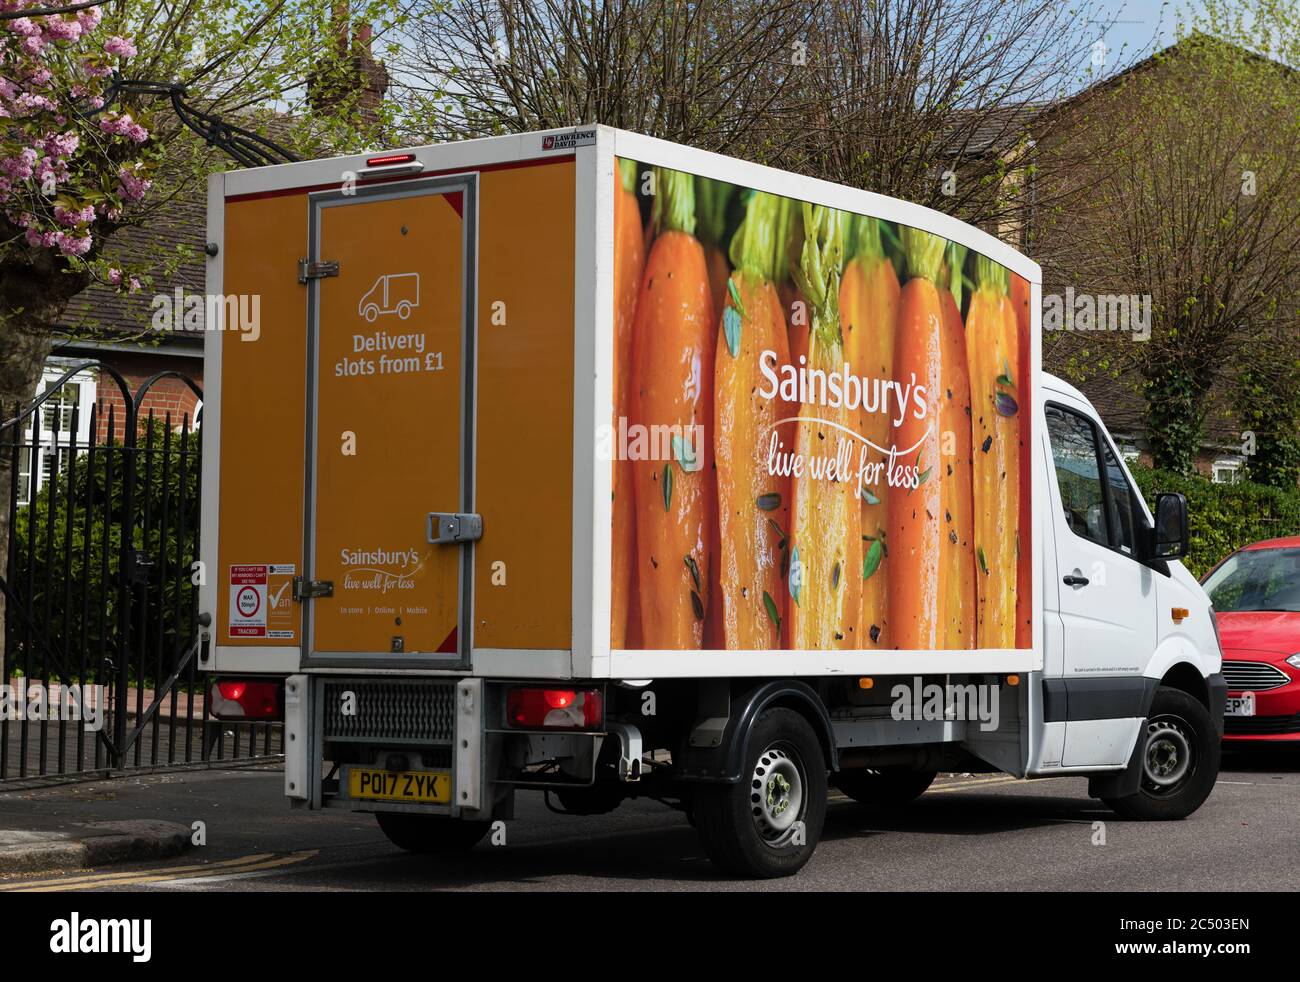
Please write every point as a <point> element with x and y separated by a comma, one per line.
<point>1256,579</point>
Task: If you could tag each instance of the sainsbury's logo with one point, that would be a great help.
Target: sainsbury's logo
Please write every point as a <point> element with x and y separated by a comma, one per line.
<point>379,557</point>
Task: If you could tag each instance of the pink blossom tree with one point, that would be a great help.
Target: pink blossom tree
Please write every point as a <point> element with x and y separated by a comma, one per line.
<point>82,157</point>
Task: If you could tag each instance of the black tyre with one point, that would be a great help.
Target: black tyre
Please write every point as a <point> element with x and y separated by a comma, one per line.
<point>769,823</point>
<point>430,834</point>
<point>1180,760</point>
<point>888,787</point>
<point>599,799</point>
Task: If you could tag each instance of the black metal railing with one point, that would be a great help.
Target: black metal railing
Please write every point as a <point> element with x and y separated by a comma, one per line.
<point>99,588</point>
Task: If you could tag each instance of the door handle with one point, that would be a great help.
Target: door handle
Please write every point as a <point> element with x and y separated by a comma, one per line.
<point>449,528</point>
<point>1074,580</point>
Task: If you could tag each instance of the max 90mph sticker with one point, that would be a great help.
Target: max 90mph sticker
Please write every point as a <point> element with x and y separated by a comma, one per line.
<point>260,601</point>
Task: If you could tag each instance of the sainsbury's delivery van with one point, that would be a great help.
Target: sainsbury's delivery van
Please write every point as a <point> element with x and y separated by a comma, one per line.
<point>588,463</point>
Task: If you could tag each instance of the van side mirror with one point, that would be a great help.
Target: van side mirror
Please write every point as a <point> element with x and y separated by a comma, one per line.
<point>1169,539</point>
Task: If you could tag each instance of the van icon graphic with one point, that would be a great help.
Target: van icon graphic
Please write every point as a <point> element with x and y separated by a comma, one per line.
<point>393,293</point>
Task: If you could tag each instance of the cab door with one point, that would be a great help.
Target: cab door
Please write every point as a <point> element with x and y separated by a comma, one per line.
<point>1106,598</point>
<point>390,530</point>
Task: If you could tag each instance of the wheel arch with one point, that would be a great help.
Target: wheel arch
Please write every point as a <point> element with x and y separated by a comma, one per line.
<point>724,763</point>
<point>1188,678</point>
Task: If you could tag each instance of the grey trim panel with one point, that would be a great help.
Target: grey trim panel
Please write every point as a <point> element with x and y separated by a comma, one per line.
<point>1112,697</point>
<point>1217,686</point>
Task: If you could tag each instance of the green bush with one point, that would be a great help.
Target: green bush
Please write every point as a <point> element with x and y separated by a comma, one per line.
<point>1224,517</point>
<point>67,555</point>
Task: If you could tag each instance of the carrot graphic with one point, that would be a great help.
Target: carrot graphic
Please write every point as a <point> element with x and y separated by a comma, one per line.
<point>794,305</point>
<point>993,356</point>
<point>1020,300</point>
<point>824,582</point>
<point>753,506</point>
<point>673,358</point>
<point>868,312</point>
<point>916,530</point>
<point>629,260</point>
<point>711,201</point>
<point>957,558</point>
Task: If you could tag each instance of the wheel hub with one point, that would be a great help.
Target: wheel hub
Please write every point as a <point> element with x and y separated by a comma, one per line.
<point>1168,757</point>
<point>776,794</point>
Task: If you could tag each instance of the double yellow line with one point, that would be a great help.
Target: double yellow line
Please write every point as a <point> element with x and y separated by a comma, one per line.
<point>967,783</point>
<point>91,881</point>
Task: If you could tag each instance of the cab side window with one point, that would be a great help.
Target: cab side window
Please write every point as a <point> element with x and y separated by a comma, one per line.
<point>1121,503</point>
<point>1078,474</point>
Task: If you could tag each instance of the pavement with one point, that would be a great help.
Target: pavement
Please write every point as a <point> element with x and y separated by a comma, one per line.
<point>969,832</point>
<point>89,844</point>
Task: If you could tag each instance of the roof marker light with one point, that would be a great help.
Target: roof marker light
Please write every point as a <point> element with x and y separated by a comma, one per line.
<point>389,159</point>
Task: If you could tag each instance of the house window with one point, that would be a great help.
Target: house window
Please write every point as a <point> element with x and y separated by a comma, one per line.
<point>1227,471</point>
<point>54,423</point>
<point>1128,450</point>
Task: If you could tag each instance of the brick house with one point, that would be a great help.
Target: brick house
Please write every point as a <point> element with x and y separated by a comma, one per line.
<point>119,331</point>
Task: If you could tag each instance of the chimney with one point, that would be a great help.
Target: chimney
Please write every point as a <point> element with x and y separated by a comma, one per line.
<point>355,77</point>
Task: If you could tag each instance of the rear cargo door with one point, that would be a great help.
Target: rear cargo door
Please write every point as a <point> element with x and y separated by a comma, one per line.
<point>390,529</point>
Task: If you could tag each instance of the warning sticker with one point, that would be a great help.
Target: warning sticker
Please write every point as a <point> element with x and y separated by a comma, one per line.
<point>261,601</point>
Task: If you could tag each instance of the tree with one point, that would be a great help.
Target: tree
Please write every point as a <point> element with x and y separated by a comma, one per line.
<point>1196,213</point>
<point>83,157</point>
<point>941,102</point>
<point>1268,404</point>
<point>887,95</point>
<point>713,74</point>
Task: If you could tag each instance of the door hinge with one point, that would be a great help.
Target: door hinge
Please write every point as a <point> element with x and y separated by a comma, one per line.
<point>304,589</point>
<point>317,271</point>
<point>448,528</point>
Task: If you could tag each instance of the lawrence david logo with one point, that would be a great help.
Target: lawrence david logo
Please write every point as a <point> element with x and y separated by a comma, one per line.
<point>567,141</point>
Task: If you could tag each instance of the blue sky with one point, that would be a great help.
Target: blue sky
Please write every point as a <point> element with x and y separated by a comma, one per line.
<point>1141,20</point>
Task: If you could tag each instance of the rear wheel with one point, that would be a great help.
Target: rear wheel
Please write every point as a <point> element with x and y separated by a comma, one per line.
<point>768,824</point>
<point>887,787</point>
<point>430,834</point>
<point>598,799</point>
<point>1180,760</point>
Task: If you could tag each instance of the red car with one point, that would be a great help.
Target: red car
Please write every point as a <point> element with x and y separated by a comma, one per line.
<point>1256,596</point>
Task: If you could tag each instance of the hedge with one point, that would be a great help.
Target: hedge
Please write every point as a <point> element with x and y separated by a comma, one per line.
<point>83,513</point>
<point>1224,517</point>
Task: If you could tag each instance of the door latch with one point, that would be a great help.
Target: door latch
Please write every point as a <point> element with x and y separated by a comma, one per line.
<point>448,528</point>
<point>304,589</point>
<point>317,271</point>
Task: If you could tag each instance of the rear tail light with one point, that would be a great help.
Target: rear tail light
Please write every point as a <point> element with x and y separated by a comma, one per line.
<point>246,699</point>
<point>554,709</point>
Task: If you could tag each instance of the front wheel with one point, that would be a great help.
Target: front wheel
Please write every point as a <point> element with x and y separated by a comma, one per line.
<point>1180,760</point>
<point>430,834</point>
<point>769,823</point>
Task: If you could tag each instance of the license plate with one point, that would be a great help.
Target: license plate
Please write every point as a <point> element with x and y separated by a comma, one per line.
<point>431,787</point>
<point>1240,705</point>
